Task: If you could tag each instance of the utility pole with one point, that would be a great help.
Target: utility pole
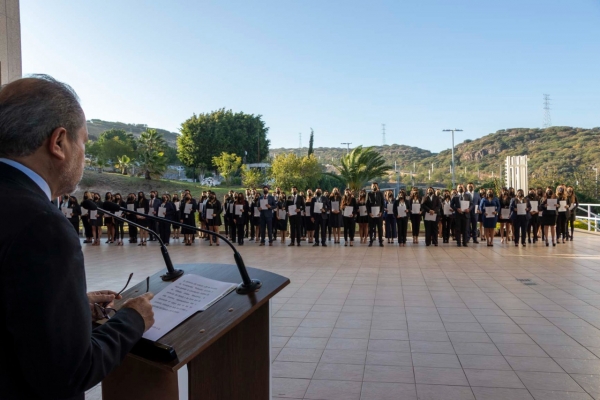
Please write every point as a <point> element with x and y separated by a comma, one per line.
<point>547,119</point>
<point>453,130</point>
<point>300,144</point>
<point>383,133</point>
<point>348,146</point>
<point>596,170</point>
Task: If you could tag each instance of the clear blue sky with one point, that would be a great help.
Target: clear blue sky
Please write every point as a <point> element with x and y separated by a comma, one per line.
<point>340,67</point>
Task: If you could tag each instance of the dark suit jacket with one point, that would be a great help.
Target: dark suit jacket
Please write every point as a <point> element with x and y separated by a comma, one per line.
<point>455,205</point>
<point>49,350</point>
<point>429,204</point>
<point>326,206</point>
<point>300,204</point>
<point>375,199</point>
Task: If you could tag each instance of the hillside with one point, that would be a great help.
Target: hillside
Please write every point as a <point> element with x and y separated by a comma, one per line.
<point>97,126</point>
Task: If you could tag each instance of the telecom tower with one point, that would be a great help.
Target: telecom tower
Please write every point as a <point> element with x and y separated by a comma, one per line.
<point>383,133</point>
<point>547,119</point>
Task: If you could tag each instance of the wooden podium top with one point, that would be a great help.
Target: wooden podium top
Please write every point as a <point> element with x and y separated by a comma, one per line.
<point>203,328</point>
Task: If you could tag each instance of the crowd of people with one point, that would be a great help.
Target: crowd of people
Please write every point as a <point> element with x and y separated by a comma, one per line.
<point>317,217</point>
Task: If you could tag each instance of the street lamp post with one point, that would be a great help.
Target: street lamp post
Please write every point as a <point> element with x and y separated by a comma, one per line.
<point>596,170</point>
<point>453,130</point>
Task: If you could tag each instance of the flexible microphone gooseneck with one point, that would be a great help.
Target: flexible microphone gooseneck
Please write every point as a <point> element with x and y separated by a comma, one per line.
<point>110,208</point>
<point>248,285</point>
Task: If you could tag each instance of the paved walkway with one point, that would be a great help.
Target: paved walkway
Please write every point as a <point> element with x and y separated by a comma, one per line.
<point>416,322</point>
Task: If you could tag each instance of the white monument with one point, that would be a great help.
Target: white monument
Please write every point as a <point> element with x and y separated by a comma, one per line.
<point>516,173</point>
<point>10,41</point>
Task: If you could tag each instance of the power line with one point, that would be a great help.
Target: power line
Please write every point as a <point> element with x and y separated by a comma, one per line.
<point>547,118</point>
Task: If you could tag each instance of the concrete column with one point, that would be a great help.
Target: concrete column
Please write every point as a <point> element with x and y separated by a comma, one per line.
<point>10,41</point>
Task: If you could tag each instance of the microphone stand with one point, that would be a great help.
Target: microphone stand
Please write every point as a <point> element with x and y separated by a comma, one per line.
<point>172,273</point>
<point>248,285</point>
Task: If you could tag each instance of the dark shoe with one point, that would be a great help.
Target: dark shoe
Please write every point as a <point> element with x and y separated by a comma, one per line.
<point>324,245</point>
<point>298,245</point>
<point>370,244</point>
<point>475,241</point>
<point>292,244</point>
<point>458,245</point>
<point>316,245</point>
<point>262,244</point>
<point>380,244</point>
<point>270,243</point>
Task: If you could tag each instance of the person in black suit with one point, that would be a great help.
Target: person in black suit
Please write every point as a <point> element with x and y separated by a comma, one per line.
<point>475,199</point>
<point>49,349</point>
<point>296,217</point>
<point>462,216</point>
<point>320,217</point>
<point>375,199</point>
<point>431,205</point>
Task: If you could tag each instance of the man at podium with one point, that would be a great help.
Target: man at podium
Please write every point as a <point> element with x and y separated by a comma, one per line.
<point>48,347</point>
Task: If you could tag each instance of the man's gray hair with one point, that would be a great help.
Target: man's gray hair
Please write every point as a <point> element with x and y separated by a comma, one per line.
<point>31,109</point>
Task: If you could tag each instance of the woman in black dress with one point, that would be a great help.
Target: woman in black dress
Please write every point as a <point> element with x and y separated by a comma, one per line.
<point>187,216</point>
<point>85,219</point>
<point>176,217</point>
<point>402,216</point>
<point>281,215</point>
<point>133,230</point>
<point>348,201</point>
<point>548,215</point>
<point>415,217</point>
<point>255,215</point>
<point>214,222</point>
<point>108,221</point>
<point>142,206</point>
<point>119,225</point>
<point>335,216</point>
<point>96,220</point>
<point>241,210</point>
<point>533,224</point>
<point>505,222</point>
<point>574,203</point>
<point>167,212</point>
<point>75,213</point>
<point>363,218</point>
<point>563,213</point>
<point>310,225</point>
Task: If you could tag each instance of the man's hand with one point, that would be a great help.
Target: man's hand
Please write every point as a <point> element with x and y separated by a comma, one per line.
<point>105,298</point>
<point>142,305</point>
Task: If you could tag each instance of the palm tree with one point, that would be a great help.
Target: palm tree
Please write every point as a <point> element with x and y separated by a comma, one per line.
<point>151,153</point>
<point>123,163</point>
<point>360,166</point>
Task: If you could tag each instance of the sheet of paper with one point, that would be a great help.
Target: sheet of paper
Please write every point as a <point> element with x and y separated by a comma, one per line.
<point>68,212</point>
<point>188,208</point>
<point>362,210</point>
<point>447,210</point>
<point>375,212</point>
<point>416,208</point>
<point>563,206</point>
<point>522,209</point>
<point>534,205</point>
<point>318,207</point>
<point>505,213</point>
<point>390,208</point>
<point>348,211</point>
<point>476,208</point>
<point>131,207</point>
<point>182,299</point>
<point>84,211</point>
<point>162,212</point>
<point>292,210</point>
<point>430,217</point>
<point>282,214</point>
<point>402,210</point>
<point>464,205</point>
<point>256,212</point>
<point>541,212</point>
<point>93,214</point>
<point>264,203</point>
<point>209,213</point>
<point>551,204</point>
<point>307,211</point>
<point>489,211</point>
<point>231,208</point>
<point>239,208</point>
<point>335,206</point>
<point>119,213</point>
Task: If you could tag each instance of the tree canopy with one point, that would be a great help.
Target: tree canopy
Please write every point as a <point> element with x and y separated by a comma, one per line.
<point>227,164</point>
<point>289,170</point>
<point>360,166</point>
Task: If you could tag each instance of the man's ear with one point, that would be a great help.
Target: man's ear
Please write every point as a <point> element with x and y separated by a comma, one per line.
<point>57,142</point>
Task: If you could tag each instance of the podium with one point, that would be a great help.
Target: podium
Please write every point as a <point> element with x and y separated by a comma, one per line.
<point>225,348</point>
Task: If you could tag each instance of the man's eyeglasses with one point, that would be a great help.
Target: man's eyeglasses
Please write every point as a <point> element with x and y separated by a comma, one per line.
<point>108,312</point>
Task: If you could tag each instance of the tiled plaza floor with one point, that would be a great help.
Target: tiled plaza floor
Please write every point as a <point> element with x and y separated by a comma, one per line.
<point>416,322</point>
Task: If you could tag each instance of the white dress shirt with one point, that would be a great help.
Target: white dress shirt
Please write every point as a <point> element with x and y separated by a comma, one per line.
<point>32,175</point>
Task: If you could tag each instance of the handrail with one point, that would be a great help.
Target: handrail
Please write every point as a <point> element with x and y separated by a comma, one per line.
<point>592,219</point>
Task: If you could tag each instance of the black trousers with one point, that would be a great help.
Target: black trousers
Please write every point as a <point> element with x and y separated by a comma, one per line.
<point>431,232</point>
<point>415,221</point>
<point>237,231</point>
<point>320,225</point>
<point>533,225</point>
<point>296,228</point>
<point>247,226</point>
<point>349,228</point>
<point>447,222</point>
<point>252,227</point>
<point>376,223</point>
<point>561,225</point>
<point>164,230</point>
<point>87,227</point>
<point>519,228</point>
<point>473,226</point>
<point>402,224</point>
<point>461,225</point>
<point>266,224</point>
<point>119,230</point>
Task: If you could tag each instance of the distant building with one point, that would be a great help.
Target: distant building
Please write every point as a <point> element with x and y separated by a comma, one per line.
<point>516,173</point>
<point>10,41</point>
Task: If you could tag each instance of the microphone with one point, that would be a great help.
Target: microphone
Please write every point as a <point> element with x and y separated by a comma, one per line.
<point>248,285</point>
<point>109,208</point>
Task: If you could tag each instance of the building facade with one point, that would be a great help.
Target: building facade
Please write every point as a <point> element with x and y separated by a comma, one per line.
<point>516,173</point>
<point>10,41</point>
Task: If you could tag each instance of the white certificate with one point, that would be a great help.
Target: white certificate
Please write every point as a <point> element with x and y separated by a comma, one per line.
<point>318,207</point>
<point>505,213</point>
<point>209,213</point>
<point>390,208</point>
<point>239,209</point>
<point>348,211</point>
<point>362,210</point>
<point>416,208</point>
<point>307,211</point>
<point>256,212</point>
<point>402,210</point>
<point>335,206</point>
<point>162,212</point>
<point>430,217</point>
<point>534,205</point>
<point>292,210</point>
<point>464,205</point>
<point>522,209</point>
<point>551,205</point>
<point>131,207</point>
<point>281,214</point>
<point>231,208</point>
<point>141,210</point>
<point>375,212</point>
<point>84,211</point>
<point>93,214</point>
<point>188,208</point>
<point>68,212</point>
<point>447,210</point>
<point>563,206</point>
<point>476,208</point>
<point>263,203</point>
<point>489,211</point>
